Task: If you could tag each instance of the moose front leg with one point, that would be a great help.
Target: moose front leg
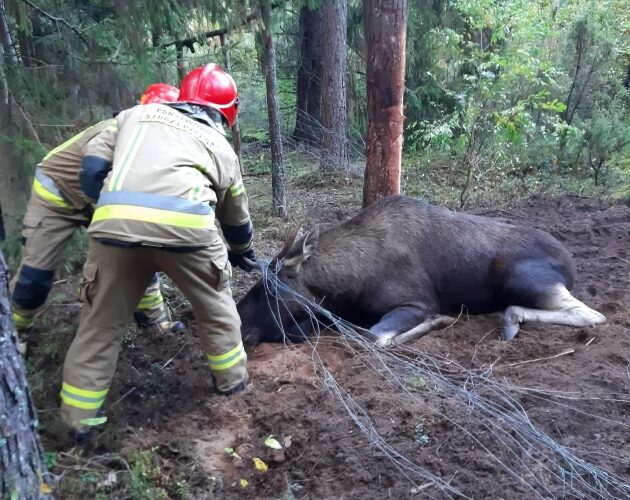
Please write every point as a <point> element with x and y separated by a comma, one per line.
<point>406,323</point>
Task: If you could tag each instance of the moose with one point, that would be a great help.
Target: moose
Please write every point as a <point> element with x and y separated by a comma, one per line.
<point>401,265</point>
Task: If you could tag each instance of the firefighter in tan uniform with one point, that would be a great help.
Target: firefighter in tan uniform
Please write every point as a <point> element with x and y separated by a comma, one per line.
<point>56,209</point>
<point>169,173</point>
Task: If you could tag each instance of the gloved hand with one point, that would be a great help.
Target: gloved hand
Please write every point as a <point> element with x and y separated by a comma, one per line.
<point>241,259</point>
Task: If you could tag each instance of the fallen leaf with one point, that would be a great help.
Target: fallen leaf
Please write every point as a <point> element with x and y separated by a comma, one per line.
<point>273,443</point>
<point>260,465</point>
<point>93,421</point>
<point>44,489</point>
<point>232,453</point>
<point>244,483</point>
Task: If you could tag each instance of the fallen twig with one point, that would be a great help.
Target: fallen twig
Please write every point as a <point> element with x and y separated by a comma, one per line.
<point>563,353</point>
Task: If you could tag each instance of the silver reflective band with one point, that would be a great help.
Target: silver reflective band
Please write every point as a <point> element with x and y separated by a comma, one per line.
<point>162,202</point>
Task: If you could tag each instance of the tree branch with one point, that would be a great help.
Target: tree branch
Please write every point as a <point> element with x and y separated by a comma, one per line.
<point>57,20</point>
<point>29,123</point>
<point>189,42</point>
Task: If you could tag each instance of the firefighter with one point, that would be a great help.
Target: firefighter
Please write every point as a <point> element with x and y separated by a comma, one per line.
<point>57,208</point>
<point>162,177</point>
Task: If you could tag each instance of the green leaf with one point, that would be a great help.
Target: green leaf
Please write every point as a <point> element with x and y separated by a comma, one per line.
<point>232,453</point>
<point>273,443</point>
<point>50,459</point>
<point>93,421</point>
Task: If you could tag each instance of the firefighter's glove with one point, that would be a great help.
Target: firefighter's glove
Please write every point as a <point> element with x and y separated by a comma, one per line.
<point>246,261</point>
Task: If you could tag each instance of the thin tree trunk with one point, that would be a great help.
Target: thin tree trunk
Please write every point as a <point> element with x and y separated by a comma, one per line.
<point>278,206</point>
<point>236,129</point>
<point>14,188</point>
<point>181,70</point>
<point>385,30</point>
<point>22,468</point>
<point>334,110</point>
<point>6,36</point>
<point>309,79</point>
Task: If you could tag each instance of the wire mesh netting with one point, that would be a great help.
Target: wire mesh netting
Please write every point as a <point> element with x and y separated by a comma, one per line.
<point>476,403</point>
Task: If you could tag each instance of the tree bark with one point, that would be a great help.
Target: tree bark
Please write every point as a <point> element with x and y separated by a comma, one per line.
<point>236,129</point>
<point>309,79</point>
<point>385,31</point>
<point>6,36</point>
<point>278,203</point>
<point>14,188</point>
<point>22,468</point>
<point>334,111</point>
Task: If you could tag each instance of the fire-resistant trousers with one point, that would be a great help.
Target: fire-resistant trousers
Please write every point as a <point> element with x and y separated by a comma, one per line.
<point>114,280</point>
<point>47,230</point>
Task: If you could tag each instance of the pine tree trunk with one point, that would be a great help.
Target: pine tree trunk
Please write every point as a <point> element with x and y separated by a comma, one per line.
<point>22,469</point>
<point>385,31</point>
<point>236,129</point>
<point>334,112</point>
<point>14,188</point>
<point>309,81</point>
<point>278,206</point>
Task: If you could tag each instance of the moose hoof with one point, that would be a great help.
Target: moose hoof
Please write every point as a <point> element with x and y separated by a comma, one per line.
<point>596,318</point>
<point>511,325</point>
<point>384,339</point>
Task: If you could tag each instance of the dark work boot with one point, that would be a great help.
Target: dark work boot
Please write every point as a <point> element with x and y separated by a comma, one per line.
<point>234,390</point>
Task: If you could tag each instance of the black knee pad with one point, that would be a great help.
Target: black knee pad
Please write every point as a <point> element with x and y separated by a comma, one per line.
<point>32,287</point>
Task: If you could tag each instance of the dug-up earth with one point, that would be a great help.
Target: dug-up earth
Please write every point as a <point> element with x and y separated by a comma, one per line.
<point>200,445</point>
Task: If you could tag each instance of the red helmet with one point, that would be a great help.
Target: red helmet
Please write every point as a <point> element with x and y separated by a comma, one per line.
<point>210,86</point>
<point>158,93</point>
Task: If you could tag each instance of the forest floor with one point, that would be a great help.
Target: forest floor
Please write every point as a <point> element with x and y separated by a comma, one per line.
<point>168,435</point>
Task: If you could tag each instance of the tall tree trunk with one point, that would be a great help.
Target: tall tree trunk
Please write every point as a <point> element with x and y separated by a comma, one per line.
<point>278,206</point>
<point>22,469</point>
<point>385,31</point>
<point>309,80</point>
<point>6,37</point>
<point>334,112</point>
<point>14,188</point>
<point>236,129</point>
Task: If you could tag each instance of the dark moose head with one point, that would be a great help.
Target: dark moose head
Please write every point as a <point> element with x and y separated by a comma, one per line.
<point>257,319</point>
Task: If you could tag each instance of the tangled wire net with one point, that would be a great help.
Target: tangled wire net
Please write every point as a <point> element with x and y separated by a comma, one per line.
<point>541,465</point>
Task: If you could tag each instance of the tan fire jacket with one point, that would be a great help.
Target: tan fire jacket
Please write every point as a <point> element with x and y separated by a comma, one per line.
<point>169,176</point>
<point>57,175</point>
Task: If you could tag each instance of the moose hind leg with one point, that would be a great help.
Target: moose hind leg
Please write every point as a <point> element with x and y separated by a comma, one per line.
<point>435,323</point>
<point>405,323</point>
<point>559,307</point>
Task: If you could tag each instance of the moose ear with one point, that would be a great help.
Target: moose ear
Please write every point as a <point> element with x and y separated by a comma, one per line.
<point>301,251</point>
<point>309,243</point>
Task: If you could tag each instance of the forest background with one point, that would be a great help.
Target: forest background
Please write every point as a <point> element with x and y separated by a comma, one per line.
<point>501,98</point>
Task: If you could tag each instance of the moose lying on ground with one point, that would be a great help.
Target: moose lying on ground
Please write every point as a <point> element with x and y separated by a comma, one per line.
<point>400,264</point>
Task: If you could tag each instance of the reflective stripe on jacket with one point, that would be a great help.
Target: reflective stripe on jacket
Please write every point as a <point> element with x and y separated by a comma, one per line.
<point>169,173</point>
<point>46,189</point>
<point>62,166</point>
